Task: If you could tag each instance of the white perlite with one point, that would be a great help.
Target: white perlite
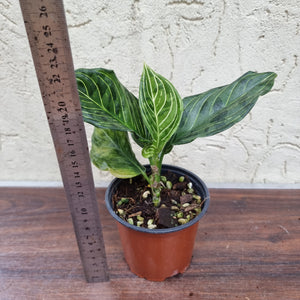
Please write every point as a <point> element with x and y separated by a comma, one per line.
<point>196,44</point>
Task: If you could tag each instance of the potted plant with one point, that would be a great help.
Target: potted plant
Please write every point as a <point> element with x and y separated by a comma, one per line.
<point>157,206</point>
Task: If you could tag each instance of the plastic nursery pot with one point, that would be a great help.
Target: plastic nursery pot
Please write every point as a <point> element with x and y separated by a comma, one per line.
<point>156,254</point>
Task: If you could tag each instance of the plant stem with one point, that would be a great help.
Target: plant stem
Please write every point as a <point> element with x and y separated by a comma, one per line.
<point>155,162</point>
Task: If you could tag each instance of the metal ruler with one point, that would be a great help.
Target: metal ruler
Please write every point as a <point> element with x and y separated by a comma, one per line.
<point>47,32</point>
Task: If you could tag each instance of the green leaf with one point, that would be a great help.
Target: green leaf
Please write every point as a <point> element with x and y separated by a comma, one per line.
<point>111,151</point>
<point>220,108</point>
<point>161,108</point>
<point>106,103</point>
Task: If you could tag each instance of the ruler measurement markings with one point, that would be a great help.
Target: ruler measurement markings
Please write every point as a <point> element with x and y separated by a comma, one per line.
<point>48,37</point>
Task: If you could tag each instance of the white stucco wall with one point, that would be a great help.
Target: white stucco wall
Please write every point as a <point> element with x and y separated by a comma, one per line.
<point>198,45</point>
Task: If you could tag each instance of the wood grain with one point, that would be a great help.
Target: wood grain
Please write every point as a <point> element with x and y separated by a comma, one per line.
<point>247,247</point>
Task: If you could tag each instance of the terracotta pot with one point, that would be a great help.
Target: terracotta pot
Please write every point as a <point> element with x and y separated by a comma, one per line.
<point>156,254</point>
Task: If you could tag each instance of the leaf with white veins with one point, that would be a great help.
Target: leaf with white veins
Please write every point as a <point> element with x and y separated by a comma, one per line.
<point>161,108</point>
<point>220,108</point>
<point>106,103</point>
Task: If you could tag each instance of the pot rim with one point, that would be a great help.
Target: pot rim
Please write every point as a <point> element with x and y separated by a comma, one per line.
<point>195,180</point>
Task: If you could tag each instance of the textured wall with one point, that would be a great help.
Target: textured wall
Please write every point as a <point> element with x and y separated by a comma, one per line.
<point>198,45</point>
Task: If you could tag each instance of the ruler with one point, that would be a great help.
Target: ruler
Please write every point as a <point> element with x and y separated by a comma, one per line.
<point>47,32</point>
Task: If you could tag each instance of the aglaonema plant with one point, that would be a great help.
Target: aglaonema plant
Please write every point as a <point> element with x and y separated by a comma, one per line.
<point>159,118</point>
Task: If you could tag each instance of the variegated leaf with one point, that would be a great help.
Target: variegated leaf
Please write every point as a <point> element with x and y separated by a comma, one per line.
<point>161,108</point>
<point>220,108</point>
<point>106,103</point>
<point>111,151</point>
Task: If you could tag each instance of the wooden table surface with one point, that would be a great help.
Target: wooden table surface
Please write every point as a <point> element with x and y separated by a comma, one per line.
<point>247,247</point>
